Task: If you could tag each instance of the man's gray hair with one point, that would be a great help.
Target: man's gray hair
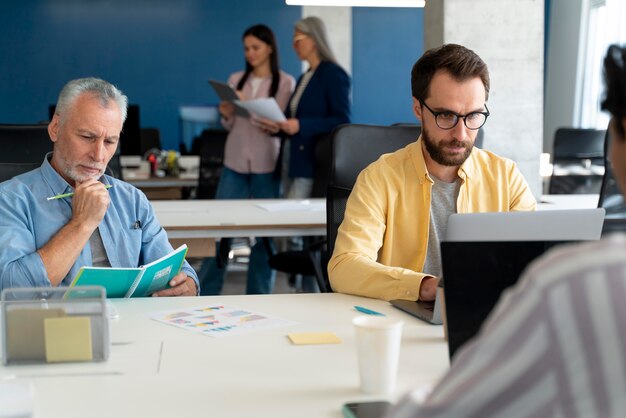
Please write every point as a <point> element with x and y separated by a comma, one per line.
<point>102,89</point>
<point>314,28</point>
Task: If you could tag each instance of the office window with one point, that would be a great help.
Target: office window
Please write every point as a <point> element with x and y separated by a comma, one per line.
<point>606,25</point>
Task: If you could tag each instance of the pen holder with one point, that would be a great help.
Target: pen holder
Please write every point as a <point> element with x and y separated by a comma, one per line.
<point>51,325</point>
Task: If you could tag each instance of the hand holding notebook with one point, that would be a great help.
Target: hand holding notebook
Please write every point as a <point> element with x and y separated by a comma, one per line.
<point>134,282</point>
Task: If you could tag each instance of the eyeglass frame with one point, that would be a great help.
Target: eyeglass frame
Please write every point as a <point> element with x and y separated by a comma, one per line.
<point>486,113</point>
<point>299,37</point>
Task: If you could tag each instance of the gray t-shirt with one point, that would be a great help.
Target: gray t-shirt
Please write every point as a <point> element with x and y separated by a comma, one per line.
<point>98,254</point>
<point>442,204</point>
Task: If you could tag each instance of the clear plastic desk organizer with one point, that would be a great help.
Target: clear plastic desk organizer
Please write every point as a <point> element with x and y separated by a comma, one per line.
<point>53,325</point>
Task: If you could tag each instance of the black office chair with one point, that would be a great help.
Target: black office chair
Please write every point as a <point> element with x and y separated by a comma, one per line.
<point>353,147</point>
<point>23,148</point>
<point>24,143</point>
<point>114,169</point>
<point>210,146</point>
<point>578,159</point>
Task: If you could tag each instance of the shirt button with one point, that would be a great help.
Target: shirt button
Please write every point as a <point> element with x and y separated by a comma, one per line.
<point>301,147</point>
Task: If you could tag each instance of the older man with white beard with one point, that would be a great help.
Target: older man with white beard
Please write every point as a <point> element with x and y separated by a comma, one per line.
<point>106,222</point>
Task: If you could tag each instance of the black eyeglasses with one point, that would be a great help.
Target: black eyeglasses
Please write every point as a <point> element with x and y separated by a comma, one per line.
<point>448,120</point>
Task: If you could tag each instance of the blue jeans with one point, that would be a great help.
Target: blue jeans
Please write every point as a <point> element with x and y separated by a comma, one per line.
<point>234,185</point>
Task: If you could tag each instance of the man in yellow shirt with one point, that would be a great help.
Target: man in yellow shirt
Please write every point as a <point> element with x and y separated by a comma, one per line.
<point>388,244</point>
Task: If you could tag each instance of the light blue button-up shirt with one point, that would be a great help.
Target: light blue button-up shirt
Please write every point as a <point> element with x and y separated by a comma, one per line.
<point>131,234</point>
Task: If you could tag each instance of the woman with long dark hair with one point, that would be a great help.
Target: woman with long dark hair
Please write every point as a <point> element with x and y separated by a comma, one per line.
<point>250,155</point>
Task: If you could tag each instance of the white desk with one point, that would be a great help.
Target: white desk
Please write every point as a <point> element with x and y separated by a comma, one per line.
<point>236,218</point>
<point>156,370</point>
<point>567,201</point>
<point>243,218</point>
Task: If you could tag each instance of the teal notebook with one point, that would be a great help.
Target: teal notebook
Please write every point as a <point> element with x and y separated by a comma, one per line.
<point>133,282</point>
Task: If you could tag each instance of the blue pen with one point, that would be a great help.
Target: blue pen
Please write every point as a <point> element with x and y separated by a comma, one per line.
<point>367,311</point>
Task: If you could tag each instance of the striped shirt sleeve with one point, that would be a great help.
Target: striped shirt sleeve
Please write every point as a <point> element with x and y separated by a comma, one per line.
<point>553,346</point>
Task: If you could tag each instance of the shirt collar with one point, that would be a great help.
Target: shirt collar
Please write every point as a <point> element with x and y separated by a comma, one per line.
<point>468,168</point>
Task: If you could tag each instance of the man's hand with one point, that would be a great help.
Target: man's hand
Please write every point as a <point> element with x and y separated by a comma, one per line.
<point>428,288</point>
<point>90,203</point>
<point>181,285</point>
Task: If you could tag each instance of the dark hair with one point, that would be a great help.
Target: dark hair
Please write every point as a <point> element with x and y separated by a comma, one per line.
<point>460,62</point>
<point>615,81</point>
<point>266,35</point>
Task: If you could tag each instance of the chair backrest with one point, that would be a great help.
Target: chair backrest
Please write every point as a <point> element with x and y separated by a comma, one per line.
<point>10,170</point>
<point>210,146</point>
<point>577,144</point>
<point>23,148</point>
<point>611,198</point>
<point>114,169</point>
<point>354,147</point>
<point>24,143</point>
<point>578,158</point>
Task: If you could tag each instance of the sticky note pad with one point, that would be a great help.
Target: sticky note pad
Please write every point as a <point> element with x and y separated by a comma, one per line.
<point>68,339</point>
<point>314,338</point>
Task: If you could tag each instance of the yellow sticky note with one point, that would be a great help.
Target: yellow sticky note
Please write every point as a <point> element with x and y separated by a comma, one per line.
<point>68,339</point>
<point>314,338</point>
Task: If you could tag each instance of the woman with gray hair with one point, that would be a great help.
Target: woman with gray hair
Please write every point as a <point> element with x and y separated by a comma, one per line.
<point>320,102</point>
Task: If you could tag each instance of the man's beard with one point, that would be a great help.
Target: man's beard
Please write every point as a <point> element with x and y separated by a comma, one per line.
<point>72,172</point>
<point>438,151</point>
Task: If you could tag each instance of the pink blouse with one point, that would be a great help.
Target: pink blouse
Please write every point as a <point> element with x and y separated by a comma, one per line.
<point>249,149</point>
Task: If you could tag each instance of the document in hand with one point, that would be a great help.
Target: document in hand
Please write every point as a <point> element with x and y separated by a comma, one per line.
<point>265,108</point>
<point>133,282</point>
<point>228,94</point>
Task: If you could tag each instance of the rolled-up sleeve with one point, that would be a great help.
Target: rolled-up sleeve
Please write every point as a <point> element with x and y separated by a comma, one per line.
<point>20,263</point>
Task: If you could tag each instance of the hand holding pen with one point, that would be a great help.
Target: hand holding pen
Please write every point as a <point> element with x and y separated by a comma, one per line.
<point>61,196</point>
<point>90,202</point>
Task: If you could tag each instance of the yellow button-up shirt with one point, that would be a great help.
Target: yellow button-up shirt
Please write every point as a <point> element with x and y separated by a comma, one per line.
<point>382,241</point>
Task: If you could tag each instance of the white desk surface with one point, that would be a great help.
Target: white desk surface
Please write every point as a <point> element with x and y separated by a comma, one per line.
<point>567,201</point>
<point>157,370</point>
<point>243,218</point>
<point>236,218</point>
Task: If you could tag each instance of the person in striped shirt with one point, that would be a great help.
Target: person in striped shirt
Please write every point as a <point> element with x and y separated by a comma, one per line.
<point>555,344</point>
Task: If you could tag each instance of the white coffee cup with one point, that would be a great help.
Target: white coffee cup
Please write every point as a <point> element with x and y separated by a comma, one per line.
<point>378,351</point>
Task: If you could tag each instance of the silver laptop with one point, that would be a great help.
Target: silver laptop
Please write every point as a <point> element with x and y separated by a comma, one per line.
<point>485,253</point>
<point>546,225</point>
<point>541,225</point>
<point>427,311</point>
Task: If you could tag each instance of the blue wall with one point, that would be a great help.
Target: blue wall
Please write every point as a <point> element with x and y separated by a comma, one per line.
<point>386,42</point>
<point>161,53</point>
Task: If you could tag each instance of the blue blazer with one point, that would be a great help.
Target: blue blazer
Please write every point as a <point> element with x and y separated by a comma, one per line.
<point>325,103</point>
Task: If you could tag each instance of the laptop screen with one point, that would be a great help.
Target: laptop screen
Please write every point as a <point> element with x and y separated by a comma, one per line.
<point>487,252</point>
<point>475,275</point>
